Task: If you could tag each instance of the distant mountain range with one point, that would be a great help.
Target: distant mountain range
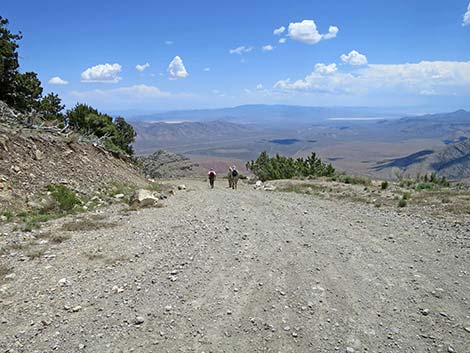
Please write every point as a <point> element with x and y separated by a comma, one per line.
<point>156,135</point>
<point>437,142</point>
<point>448,126</point>
<point>275,115</point>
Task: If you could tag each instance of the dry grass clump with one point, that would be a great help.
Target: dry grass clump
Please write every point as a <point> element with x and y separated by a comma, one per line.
<point>4,270</point>
<point>86,224</point>
<point>93,256</point>
<point>35,253</point>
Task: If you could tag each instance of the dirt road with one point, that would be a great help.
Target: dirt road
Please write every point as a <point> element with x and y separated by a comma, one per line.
<point>244,271</point>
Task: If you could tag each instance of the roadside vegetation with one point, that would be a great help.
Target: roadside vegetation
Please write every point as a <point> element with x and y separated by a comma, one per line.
<point>281,167</point>
<point>60,201</point>
<point>441,198</point>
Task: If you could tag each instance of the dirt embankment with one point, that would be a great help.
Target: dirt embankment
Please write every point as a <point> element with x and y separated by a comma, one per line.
<point>31,160</point>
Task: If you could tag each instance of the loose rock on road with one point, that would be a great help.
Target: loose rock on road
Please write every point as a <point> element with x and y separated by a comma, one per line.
<point>245,271</point>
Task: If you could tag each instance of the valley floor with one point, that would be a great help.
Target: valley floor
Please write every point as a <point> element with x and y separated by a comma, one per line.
<point>243,271</point>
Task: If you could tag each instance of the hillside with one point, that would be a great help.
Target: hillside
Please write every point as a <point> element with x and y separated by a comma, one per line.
<point>452,162</point>
<point>161,135</point>
<point>164,164</point>
<point>32,159</point>
<point>443,126</point>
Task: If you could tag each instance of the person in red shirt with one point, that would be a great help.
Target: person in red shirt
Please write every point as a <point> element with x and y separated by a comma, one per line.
<point>212,174</point>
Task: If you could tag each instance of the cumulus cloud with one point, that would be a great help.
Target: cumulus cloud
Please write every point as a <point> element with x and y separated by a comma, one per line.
<point>240,50</point>
<point>268,47</point>
<point>279,31</point>
<point>282,40</point>
<point>105,73</point>
<point>439,77</point>
<point>259,86</point>
<point>307,32</point>
<point>56,80</point>
<point>466,17</point>
<point>323,69</point>
<point>168,42</point>
<point>207,69</point>
<point>354,58</point>
<point>176,69</point>
<point>141,68</point>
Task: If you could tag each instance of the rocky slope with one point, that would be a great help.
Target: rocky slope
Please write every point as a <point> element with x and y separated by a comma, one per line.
<point>31,159</point>
<point>452,161</point>
<point>164,164</point>
<point>241,271</point>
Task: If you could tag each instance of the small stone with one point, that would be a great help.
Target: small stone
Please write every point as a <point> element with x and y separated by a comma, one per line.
<point>425,312</point>
<point>349,350</point>
<point>286,328</point>
<point>119,196</point>
<point>294,334</point>
<point>182,187</point>
<point>450,349</point>
<point>117,289</point>
<point>168,308</point>
<point>229,312</point>
<point>10,276</point>
<point>139,320</point>
<point>76,308</point>
<point>467,329</point>
<point>64,282</point>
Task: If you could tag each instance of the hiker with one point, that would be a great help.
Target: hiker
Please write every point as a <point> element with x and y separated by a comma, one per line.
<point>229,177</point>
<point>212,174</point>
<point>234,175</point>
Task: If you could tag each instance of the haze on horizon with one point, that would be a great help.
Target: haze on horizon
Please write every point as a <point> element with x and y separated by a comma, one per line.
<point>156,56</point>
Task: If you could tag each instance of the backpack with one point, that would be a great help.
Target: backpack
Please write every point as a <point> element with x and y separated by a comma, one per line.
<point>212,174</point>
<point>234,173</point>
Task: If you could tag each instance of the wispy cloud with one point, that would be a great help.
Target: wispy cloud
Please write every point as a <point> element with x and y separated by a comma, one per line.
<point>279,31</point>
<point>466,17</point>
<point>141,68</point>
<point>240,50</point>
<point>268,47</point>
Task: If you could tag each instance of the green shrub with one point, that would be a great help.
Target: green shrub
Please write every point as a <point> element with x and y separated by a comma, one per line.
<point>402,203</point>
<point>65,197</point>
<point>351,179</point>
<point>8,215</point>
<point>424,186</point>
<point>384,185</point>
<point>281,167</point>
<point>406,196</point>
<point>118,135</point>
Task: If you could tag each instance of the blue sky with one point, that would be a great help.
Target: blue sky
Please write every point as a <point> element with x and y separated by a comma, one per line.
<point>210,53</point>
